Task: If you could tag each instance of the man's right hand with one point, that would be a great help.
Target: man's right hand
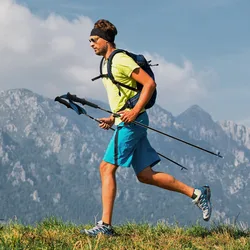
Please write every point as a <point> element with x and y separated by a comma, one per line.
<point>107,123</point>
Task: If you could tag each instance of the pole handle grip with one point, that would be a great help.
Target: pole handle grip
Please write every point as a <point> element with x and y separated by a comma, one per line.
<point>81,100</point>
<point>58,99</point>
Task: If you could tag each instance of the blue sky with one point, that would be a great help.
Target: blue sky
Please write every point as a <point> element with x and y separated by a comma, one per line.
<point>203,47</point>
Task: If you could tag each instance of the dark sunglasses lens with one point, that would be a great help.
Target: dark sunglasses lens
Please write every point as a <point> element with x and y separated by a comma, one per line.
<point>93,40</point>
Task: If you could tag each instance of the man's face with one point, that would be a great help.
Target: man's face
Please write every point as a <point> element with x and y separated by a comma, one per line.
<point>99,45</point>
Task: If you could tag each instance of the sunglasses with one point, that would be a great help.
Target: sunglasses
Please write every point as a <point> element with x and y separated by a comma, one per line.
<point>94,40</point>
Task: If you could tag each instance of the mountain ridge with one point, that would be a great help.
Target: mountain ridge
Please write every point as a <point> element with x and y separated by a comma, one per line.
<point>49,158</point>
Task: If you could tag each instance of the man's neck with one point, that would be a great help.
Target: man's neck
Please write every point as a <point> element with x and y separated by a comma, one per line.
<point>109,51</point>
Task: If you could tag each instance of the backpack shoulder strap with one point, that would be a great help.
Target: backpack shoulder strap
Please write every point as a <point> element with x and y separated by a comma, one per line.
<point>109,69</point>
<point>101,74</point>
<point>101,63</point>
<point>109,64</point>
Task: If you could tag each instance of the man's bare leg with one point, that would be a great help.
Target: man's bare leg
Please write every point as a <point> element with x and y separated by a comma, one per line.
<point>165,181</point>
<point>107,172</point>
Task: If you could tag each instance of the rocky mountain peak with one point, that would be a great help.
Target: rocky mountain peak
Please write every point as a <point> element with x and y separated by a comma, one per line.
<point>49,158</point>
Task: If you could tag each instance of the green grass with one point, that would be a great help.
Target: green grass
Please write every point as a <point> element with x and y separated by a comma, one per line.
<point>55,234</point>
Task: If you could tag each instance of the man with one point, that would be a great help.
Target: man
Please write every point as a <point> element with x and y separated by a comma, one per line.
<point>129,144</point>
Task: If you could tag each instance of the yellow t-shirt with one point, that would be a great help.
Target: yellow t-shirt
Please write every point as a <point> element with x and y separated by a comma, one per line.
<point>121,68</point>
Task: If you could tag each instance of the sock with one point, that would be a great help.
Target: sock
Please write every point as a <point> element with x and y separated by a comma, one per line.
<point>194,195</point>
<point>106,224</point>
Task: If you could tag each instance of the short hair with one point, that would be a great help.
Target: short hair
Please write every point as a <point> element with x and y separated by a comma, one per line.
<point>106,26</point>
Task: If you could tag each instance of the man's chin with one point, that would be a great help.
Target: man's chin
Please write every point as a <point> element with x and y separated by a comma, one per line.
<point>98,53</point>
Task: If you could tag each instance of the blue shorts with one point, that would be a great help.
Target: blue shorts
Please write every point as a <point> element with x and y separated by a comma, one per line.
<point>130,146</point>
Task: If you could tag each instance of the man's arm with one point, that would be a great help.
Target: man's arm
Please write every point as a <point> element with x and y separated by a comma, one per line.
<point>149,86</point>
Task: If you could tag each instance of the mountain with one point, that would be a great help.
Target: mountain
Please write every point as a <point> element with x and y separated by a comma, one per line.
<point>49,158</point>
<point>238,133</point>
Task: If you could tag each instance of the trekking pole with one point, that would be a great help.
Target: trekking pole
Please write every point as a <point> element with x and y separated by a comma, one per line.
<point>93,105</point>
<point>79,110</point>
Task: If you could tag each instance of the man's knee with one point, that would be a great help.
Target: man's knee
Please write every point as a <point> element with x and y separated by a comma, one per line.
<point>107,168</point>
<point>145,176</point>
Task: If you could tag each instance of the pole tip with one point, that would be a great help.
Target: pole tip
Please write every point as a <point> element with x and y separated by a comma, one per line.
<point>219,155</point>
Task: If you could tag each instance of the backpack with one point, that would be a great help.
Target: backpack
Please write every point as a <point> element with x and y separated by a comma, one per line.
<point>144,64</point>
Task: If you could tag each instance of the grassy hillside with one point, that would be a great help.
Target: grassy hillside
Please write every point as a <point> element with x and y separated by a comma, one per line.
<point>55,234</point>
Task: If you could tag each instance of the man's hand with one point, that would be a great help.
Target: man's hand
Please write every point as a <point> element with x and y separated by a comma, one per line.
<point>128,116</point>
<point>107,123</point>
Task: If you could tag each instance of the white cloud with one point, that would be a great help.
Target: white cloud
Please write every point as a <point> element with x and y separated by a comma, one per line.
<point>52,56</point>
<point>181,85</point>
<point>45,56</point>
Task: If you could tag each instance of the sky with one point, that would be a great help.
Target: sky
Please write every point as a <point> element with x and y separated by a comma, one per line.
<point>202,47</point>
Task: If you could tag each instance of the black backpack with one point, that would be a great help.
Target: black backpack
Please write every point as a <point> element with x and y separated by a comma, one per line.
<point>144,64</point>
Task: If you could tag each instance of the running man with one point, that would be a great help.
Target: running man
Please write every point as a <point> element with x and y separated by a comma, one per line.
<point>129,145</point>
